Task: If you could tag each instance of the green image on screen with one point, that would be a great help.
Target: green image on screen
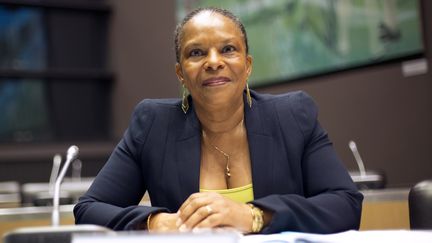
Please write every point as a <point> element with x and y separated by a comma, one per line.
<point>290,39</point>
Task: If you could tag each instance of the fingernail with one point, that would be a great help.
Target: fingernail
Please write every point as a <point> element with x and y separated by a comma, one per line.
<point>201,230</point>
<point>197,230</point>
<point>178,222</point>
<point>183,228</point>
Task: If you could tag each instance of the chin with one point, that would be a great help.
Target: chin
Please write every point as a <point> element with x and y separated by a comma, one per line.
<point>220,99</point>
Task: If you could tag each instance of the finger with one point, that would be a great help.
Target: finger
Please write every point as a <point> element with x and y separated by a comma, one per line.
<point>197,217</point>
<point>212,221</point>
<point>189,199</point>
<point>163,222</point>
<point>192,206</point>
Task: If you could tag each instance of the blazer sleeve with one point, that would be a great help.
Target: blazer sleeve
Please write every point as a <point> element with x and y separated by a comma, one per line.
<point>331,202</point>
<point>120,183</point>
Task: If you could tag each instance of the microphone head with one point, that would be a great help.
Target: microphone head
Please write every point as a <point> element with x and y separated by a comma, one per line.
<point>72,152</point>
<point>57,159</point>
<point>352,145</point>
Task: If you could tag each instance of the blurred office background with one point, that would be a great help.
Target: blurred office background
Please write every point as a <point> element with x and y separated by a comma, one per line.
<point>88,63</point>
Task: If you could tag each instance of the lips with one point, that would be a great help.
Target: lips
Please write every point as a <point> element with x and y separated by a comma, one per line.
<point>216,81</point>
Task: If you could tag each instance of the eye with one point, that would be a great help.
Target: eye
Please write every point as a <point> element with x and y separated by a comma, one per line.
<point>228,49</point>
<point>196,53</point>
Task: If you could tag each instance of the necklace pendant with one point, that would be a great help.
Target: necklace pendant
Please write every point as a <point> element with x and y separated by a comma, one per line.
<point>228,172</point>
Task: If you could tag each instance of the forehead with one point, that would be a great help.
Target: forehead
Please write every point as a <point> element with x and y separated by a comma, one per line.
<point>210,25</point>
<point>209,19</point>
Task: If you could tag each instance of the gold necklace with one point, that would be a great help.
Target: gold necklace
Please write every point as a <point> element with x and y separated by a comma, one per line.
<point>225,154</point>
<point>227,157</point>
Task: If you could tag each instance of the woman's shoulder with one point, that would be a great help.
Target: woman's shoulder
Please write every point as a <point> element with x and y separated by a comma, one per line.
<point>148,109</point>
<point>158,104</point>
<point>151,113</point>
<point>294,100</point>
<point>293,107</point>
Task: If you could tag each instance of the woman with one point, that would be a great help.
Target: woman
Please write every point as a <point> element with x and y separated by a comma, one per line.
<point>223,156</point>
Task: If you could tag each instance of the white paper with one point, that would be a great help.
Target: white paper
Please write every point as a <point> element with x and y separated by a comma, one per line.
<point>379,236</point>
<point>139,237</point>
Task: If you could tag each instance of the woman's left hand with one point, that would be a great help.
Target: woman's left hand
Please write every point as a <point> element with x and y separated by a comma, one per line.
<point>210,210</point>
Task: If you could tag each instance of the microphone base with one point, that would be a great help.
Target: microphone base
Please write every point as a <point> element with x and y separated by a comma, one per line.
<point>51,234</point>
<point>371,180</point>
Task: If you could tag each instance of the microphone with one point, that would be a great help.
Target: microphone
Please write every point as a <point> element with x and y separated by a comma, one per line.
<point>365,179</point>
<point>54,233</point>
<point>72,154</point>
<point>76,170</point>
<point>54,172</point>
<point>358,159</point>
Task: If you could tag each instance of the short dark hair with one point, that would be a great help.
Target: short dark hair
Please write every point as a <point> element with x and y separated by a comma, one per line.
<point>179,29</point>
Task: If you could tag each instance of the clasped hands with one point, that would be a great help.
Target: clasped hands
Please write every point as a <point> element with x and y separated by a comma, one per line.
<point>204,210</point>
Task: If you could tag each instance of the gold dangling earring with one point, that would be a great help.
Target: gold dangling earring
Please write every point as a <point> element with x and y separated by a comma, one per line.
<point>249,98</point>
<point>185,102</point>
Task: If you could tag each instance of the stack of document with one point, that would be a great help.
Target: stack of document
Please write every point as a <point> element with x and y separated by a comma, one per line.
<point>393,236</point>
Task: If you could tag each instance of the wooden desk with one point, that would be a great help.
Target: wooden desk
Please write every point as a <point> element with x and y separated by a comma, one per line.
<point>385,209</point>
<point>382,209</point>
<point>13,218</point>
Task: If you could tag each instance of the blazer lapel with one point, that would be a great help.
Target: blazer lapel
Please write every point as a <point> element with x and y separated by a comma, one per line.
<point>260,149</point>
<point>188,154</point>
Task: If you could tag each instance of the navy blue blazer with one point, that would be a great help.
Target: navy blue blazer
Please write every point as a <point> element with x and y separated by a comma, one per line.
<point>295,170</point>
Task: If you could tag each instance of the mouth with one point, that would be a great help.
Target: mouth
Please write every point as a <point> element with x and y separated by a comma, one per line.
<point>216,81</point>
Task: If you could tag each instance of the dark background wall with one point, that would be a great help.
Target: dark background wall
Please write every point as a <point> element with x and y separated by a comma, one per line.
<point>388,115</point>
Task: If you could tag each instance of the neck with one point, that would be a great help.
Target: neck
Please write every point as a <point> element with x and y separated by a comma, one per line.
<point>221,119</point>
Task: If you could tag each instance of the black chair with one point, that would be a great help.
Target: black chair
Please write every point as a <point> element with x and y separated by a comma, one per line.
<point>420,205</point>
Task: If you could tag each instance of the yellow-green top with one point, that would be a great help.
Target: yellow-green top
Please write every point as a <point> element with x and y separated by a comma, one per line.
<point>241,194</point>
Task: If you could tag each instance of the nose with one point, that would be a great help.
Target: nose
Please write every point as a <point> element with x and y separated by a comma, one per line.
<point>214,61</point>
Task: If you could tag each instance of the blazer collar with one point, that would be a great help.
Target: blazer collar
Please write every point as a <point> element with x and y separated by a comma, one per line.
<point>253,121</point>
<point>188,152</point>
<point>260,149</point>
<point>261,144</point>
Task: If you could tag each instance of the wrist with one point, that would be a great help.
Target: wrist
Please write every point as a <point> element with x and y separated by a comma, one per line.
<point>152,221</point>
<point>257,216</point>
<point>145,225</point>
<point>149,218</point>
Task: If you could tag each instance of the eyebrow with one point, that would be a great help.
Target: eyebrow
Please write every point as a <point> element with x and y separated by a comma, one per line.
<point>191,45</point>
<point>198,44</point>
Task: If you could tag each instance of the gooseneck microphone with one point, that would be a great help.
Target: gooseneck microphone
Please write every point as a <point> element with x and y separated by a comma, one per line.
<point>54,173</point>
<point>55,233</point>
<point>357,158</point>
<point>72,154</point>
<point>76,170</point>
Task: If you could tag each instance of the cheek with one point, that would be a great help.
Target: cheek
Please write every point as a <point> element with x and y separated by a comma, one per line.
<point>191,75</point>
<point>240,69</point>
<point>191,70</point>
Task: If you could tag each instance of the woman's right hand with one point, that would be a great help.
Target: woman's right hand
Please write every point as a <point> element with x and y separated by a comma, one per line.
<point>163,222</point>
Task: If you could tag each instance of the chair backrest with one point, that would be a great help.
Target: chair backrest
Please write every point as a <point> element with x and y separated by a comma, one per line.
<point>10,196</point>
<point>420,205</point>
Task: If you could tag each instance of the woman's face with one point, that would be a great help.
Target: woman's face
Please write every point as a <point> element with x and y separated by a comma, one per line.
<point>214,65</point>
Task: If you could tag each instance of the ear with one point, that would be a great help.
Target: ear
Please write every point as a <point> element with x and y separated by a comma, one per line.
<point>179,73</point>
<point>249,61</point>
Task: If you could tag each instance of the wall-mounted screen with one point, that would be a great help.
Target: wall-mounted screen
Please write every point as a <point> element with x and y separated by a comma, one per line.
<point>22,39</point>
<point>54,83</point>
<point>24,112</point>
<point>291,39</point>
